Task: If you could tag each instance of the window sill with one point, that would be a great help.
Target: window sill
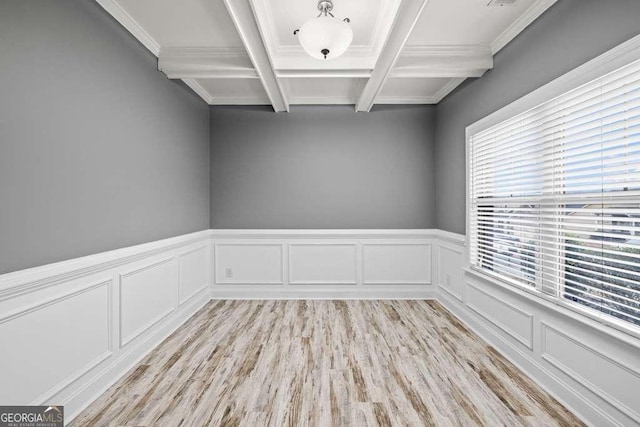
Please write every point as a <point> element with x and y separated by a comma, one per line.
<point>617,330</point>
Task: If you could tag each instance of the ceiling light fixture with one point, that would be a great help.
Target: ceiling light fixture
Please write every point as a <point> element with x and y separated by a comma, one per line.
<point>325,37</point>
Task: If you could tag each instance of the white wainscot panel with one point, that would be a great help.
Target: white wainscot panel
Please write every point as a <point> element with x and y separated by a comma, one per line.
<point>493,307</point>
<point>50,345</point>
<point>322,263</point>
<point>450,277</point>
<point>193,273</point>
<point>147,295</point>
<point>397,263</point>
<point>248,263</point>
<point>617,383</point>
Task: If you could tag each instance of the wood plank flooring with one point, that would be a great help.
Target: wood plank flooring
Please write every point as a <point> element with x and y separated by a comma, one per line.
<point>324,363</point>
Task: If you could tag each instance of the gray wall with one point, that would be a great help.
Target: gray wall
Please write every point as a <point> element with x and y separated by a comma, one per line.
<point>322,167</point>
<point>569,34</point>
<point>98,150</point>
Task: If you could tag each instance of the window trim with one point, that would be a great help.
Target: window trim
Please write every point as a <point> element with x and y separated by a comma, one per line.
<point>609,61</point>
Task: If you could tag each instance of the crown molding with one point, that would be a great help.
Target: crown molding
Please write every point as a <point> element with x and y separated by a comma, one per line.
<point>195,86</point>
<point>130,24</point>
<point>448,88</point>
<point>530,15</point>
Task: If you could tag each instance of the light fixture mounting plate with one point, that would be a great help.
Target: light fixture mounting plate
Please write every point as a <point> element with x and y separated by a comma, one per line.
<point>325,6</point>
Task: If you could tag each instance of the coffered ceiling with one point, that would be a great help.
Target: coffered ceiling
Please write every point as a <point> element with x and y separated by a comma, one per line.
<point>244,52</point>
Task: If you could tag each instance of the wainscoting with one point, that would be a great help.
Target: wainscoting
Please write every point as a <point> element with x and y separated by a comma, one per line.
<point>336,264</point>
<point>71,329</point>
<point>591,368</point>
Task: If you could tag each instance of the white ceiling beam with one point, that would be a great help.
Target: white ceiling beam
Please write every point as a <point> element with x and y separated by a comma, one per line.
<point>448,88</point>
<point>443,61</point>
<point>246,24</point>
<point>408,14</point>
<point>210,63</point>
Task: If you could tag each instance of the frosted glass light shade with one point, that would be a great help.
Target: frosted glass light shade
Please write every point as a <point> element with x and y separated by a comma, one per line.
<point>325,34</point>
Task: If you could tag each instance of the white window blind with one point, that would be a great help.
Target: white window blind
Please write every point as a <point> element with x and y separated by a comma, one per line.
<point>555,196</point>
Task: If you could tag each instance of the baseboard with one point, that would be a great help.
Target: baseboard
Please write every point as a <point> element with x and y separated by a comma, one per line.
<point>323,293</point>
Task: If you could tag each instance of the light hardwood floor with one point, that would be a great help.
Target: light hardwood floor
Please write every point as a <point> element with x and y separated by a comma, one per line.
<point>333,363</point>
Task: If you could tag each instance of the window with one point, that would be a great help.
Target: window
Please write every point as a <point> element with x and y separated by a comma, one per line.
<point>554,197</point>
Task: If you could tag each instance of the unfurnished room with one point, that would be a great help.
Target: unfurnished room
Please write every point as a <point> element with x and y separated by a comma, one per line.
<point>320,213</point>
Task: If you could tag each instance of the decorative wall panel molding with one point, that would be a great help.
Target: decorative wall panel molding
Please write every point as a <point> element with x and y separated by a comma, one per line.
<point>449,260</point>
<point>147,295</point>
<point>323,263</point>
<point>249,263</point>
<point>75,327</point>
<point>505,315</point>
<point>397,263</point>
<point>593,370</point>
<point>35,359</point>
<point>193,270</point>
